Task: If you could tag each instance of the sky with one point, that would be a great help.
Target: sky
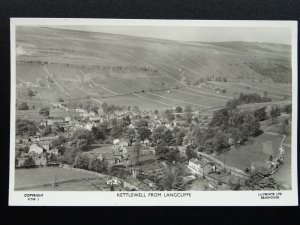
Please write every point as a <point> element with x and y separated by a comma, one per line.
<point>202,34</point>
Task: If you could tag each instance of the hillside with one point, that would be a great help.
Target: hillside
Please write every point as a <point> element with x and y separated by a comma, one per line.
<point>151,73</point>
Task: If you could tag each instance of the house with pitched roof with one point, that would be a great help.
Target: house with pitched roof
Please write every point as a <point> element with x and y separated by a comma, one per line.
<point>36,148</point>
<point>199,167</point>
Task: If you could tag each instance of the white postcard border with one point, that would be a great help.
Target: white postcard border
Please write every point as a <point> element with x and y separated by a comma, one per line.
<point>196,198</point>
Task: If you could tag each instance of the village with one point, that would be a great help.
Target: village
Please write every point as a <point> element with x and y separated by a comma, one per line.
<point>131,149</point>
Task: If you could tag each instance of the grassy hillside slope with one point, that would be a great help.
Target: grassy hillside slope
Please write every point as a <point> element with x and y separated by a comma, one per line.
<point>116,68</point>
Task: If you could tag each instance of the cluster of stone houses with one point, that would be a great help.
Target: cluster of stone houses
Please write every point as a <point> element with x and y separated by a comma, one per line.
<point>122,155</point>
<point>216,172</point>
<point>40,150</point>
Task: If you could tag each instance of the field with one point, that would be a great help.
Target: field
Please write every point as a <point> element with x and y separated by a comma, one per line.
<point>127,70</point>
<point>105,149</point>
<point>46,175</point>
<point>260,148</point>
<point>33,114</point>
<point>257,150</point>
<point>81,185</point>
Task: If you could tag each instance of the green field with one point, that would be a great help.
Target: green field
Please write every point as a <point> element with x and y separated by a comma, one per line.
<point>105,149</point>
<point>46,175</point>
<point>80,185</point>
<point>256,150</point>
<point>33,114</point>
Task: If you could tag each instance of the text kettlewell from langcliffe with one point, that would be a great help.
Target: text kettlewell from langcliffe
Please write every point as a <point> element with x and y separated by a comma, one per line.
<point>155,194</point>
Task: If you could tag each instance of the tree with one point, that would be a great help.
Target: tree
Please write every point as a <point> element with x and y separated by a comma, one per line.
<point>103,128</point>
<point>82,160</point>
<point>136,151</point>
<point>220,118</point>
<point>260,113</point>
<point>60,99</point>
<point>16,161</point>
<point>57,128</point>
<point>142,123</point>
<point>190,152</point>
<point>31,93</point>
<point>178,109</point>
<point>144,133</point>
<point>199,135</point>
<point>251,124</point>
<point>52,158</point>
<point>26,127</point>
<point>98,133</point>
<point>81,139</point>
<point>188,110</point>
<point>105,107</point>
<point>114,122</point>
<point>126,121</point>
<point>275,111</point>
<point>48,130</point>
<point>266,97</point>
<point>83,134</point>
<point>161,148</point>
<point>169,114</point>
<point>179,137</point>
<point>130,135</point>
<point>23,106</point>
<point>97,165</point>
<point>29,162</point>
<point>288,109</point>
<point>220,142</point>
<point>173,178</point>
<point>70,155</point>
<point>284,128</point>
<point>95,109</point>
<point>116,131</point>
<point>60,144</point>
<point>162,134</point>
<point>45,111</point>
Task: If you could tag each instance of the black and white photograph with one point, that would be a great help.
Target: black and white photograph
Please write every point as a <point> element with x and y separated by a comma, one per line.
<point>153,109</point>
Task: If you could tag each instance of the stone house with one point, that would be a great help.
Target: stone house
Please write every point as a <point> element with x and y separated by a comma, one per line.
<point>199,167</point>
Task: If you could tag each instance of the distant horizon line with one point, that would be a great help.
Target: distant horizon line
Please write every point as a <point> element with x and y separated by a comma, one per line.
<point>156,38</point>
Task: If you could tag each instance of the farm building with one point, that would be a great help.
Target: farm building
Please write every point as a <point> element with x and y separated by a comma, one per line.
<point>53,151</point>
<point>199,167</point>
<point>34,148</point>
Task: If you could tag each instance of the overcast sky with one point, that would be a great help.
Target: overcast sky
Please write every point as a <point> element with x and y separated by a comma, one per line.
<point>202,34</point>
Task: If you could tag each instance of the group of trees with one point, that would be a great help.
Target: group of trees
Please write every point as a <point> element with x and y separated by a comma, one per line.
<point>85,160</point>
<point>119,128</point>
<point>173,179</point>
<point>285,127</point>
<point>226,128</point>
<point>60,144</point>
<point>247,99</point>
<point>45,111</point>
<point>26,127</point>
<point>23,106</point>
<point>31,93</point>
<point>109,109</point>
<point>78,143</point>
